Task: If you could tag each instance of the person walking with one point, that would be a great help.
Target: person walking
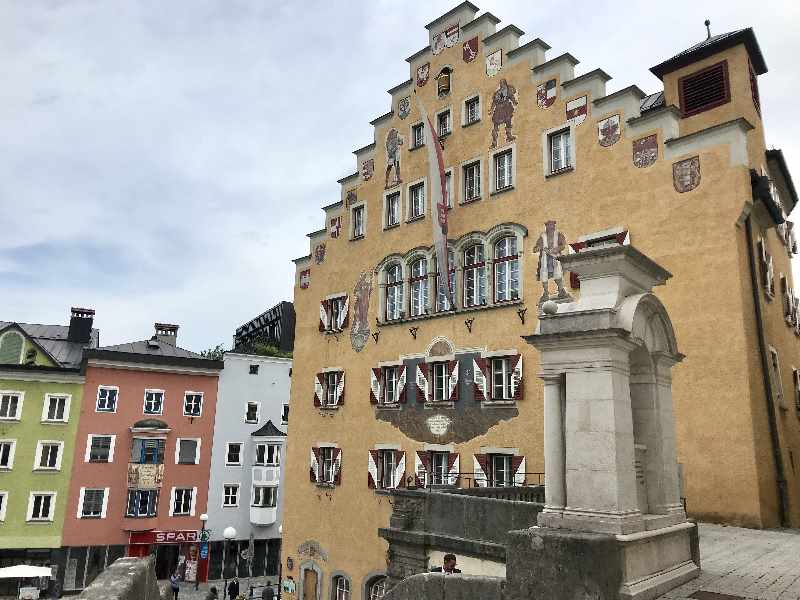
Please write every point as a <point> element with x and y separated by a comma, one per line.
<point>233,589</point>
<point>212,594</point>
<point>268,593</point>
<point>175,582</point>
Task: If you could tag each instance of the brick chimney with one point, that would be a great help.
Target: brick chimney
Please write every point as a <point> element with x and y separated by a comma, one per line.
<point>167,334</point>
<point>80,325</point>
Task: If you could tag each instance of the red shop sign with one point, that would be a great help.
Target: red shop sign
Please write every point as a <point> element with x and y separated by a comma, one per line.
<point>164,537</point>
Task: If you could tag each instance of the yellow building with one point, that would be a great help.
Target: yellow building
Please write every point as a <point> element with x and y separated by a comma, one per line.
<point>393,387</point>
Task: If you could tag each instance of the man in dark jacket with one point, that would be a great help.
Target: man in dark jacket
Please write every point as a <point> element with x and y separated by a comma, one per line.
<point>268,593</point>
<point>449,566</point>
<point>233,589</point>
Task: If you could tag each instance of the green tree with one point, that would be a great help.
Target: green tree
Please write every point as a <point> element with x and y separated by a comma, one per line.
<point>215,353</point>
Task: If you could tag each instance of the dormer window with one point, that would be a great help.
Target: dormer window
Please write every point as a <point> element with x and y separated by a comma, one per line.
<point>704,89</point>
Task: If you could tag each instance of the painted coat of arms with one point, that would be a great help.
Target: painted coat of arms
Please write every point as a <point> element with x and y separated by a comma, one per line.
<point>577,110</point>
<point>359,330</point>
<point>470,49</point>
<point>494,62</point>
<point>367,169</point>
<point>305,279</point>
<point>608,131</point>
<point>404,107</point>
<point>686,174</point>
<point>335,227</point>
<point>423,71</point>
<point>446,39</point>
<point>546,93</point>
<point>319,253</point>
<point>645,151</point>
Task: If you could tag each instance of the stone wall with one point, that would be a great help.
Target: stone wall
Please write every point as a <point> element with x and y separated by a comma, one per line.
<point>127,579</point>
<point>429,586</point>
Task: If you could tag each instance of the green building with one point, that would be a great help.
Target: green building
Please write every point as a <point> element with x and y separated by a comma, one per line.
<point>41,386</point>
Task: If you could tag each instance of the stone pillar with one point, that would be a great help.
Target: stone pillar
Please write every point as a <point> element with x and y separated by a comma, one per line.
<point>555,492</point>
<point>670,502</point>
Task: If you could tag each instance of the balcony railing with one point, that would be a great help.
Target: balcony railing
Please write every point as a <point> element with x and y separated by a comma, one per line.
<point>145,476</point>
<point>263,515</point>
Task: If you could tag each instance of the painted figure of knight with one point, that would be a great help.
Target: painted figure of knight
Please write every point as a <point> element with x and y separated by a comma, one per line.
<point>393,143</point>
<point>550,245</point>
<point>502,111</point>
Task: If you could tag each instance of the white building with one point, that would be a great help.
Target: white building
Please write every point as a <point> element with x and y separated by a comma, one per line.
<point>247,464</point>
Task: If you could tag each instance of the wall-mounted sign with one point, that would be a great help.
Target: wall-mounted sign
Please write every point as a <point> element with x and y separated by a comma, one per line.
<point>181,536</point>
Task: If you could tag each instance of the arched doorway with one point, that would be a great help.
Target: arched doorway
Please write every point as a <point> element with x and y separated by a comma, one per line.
<point>310,581</point>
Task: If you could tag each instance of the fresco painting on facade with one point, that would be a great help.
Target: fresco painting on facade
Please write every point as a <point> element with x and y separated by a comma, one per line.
<point>393,143</point>
<point>305,278</point>
<point>494,62</point>
<point>470,49</point>
<point>367,169</point>
<point>550,245</point>
<point>645,151</point>
<point>504,101</point>
<point>350,198</point>
<point>359,330</point>
<point>577,110</point>
<point>319,253</point>
<point>423,72</point>
<point>686,174</point>
<point>335,227</point>
<point>446,38</point>
<point>608,132</point>
<point>546,93</point>
<point>404,107</point>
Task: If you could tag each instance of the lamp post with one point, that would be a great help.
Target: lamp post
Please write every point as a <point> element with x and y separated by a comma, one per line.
<point>229,534</point>
<point>203,521</point>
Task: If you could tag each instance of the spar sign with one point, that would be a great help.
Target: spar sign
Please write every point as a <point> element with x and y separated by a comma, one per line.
<point>185,536</point>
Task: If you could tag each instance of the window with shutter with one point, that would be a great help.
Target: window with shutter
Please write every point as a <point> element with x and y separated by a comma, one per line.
<point>705,89</point>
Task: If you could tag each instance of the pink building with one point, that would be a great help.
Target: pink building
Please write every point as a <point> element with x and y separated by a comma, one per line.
<point>143,455</point>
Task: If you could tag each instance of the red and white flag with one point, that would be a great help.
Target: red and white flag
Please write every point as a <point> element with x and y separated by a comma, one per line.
<point>439,201</point>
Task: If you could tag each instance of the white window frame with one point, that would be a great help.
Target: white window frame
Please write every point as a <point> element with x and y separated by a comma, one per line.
<point>496,262</point>
<point>327,465</point>
<point>547,164</point>
<point>440,474</point>
<point>202,399</point>
<point>447,110</point>
<point>46,406</point>
<point>97,400</point>
<point>196,451</point>
<point>507,459</point>
<point>512,149</point>
<point>31,497</point>
<point>507,372</point>
<point>227,453</point>
<point>330,381</point>
<point>237,494</point>
<point>443,369</point>
<point>386,390</point>
<point>775,367</point>
<point>40,444</point>
<point>386,195</point>
<point>386,481</point>
<point>144,401</point>
<point>419,287</point>
<point>247,410</point>
<point>285,411</point>
<point>11,453</point>
<point>173,498</point>
<point>462,194</point>
<point>411,137</point>
<point>478,277</point>
<point>362,207</point>
<point>398,307</point>
<point>272,491</point>
<point>103,508</point>
<point>465,121</point>
<point>20,399</point>
<point>88,454</point>
<point>3,504</point>
<point>418,184</point>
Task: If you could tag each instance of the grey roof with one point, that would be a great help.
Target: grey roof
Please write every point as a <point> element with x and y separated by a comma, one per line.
<point>652,101</point>
<point>150,347</point>
<point>268,429</point>
<point>53,339</point>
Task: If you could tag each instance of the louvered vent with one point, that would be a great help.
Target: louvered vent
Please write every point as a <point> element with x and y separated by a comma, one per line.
<point>705,89</point>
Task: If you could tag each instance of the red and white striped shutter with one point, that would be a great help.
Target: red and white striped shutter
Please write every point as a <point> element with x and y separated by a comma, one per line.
<point>323,315</point>
<point>340,388</point>
<point>375,386</point>
<point>401,385</point>
<point>314,470</point>
<point>337,466</point>
<point>400,469</point>
<point>480,378</point>
<point>516,378</point>
<point>372,469</point>
<point>319,389</point>
<point>518,468</point>
<point>422,467</point>
<point>423,389</point>
<point>453,391</point>
<point>343,315</point>
<point>479,469</point>
<point>452,468</point>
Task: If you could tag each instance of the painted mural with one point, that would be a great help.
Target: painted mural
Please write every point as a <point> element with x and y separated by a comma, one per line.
<point>359,330</point>
<point>335,227</point>
<point>305,279</point>
<point>504,101</point>
<point>423,71</point>
<point>494,62</point>
<point>550,245</point>
<point>394,141</point>
<point>608,131</point>
<point>645,151</point>
<point>404,107</point>
<point>686,174</point>
<point>446,38</point>
<point>319,253</point>
<point>443,81</point>
<point>470,50</point>
<point>577,110</point>
<point>367,169</point>
<point>546,93</point>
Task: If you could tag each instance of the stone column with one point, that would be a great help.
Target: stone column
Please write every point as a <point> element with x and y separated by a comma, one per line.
<point>670,501</point>
<point>554,448</point>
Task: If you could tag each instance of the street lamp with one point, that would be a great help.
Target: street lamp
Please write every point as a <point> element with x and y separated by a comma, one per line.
<point>203,521</point>
<point>229,534</point>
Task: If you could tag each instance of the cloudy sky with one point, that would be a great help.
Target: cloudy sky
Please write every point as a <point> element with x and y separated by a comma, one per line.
<point>164,160</point>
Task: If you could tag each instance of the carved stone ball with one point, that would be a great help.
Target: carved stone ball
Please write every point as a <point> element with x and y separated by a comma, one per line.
<point>549,308</point>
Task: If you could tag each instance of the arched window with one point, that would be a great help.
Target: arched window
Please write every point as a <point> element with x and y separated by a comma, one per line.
<point>419,287</point>
<point>377,588</point>
<point>474,276</point>
<point>394,291</point>
<point>506,270</point>
<point>340,588</point>
<point>10,348</point>
<point>442,301</point>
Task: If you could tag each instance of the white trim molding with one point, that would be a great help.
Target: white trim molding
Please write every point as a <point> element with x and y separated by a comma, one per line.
<point>11,452</point>
<point>20,400</point>
<point>37,459</point>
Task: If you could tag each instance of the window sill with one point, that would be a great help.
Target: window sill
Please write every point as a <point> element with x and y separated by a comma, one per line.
<point>471,123</point>
<point>332,332</point>
<point>470,200</point>
<point>355,238</point>
<point>9,419</point>
<point>392,226</point>
<point>412,148</point>
<point>91,517</point>
<point>499,403</point>
<point>439,404</point>
<point>330,408</point>
<point>55,422</point>
<point>39,521</point>
<point>395,406</point>
<point>414,219</point>
<point>45,470</point>
<point>510,188</point>
<point>325,484</point>
<point>233,464</point>
<point>450,313</point>
<point>559,172</point>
